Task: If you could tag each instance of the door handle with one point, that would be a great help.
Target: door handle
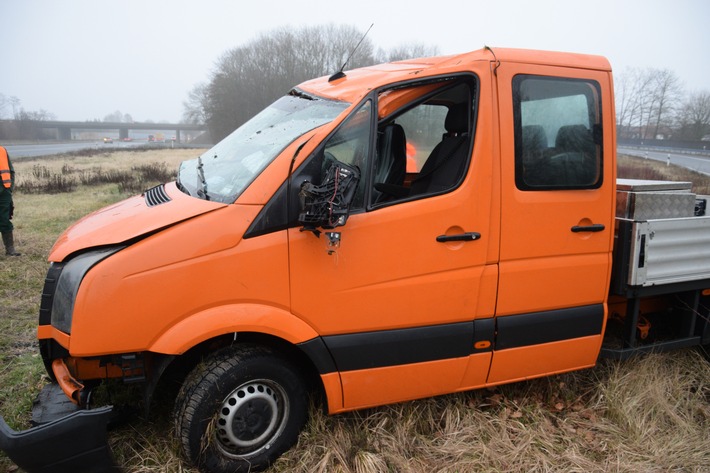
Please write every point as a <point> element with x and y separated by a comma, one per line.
<point>469,236</point>
<point>596,227</point>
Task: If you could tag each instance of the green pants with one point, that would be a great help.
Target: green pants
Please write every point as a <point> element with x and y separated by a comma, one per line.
<point>5,206</point>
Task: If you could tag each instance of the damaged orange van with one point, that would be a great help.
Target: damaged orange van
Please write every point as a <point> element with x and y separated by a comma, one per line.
<point>391,233</point>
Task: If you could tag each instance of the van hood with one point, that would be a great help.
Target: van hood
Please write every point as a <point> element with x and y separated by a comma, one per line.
<point>156,208</point>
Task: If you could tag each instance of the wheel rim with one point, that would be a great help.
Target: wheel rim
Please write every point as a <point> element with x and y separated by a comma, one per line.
<point>250,417</point>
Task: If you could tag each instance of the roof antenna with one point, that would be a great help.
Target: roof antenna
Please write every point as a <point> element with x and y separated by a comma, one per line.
<point>340,74</point>
<point>495,68</point>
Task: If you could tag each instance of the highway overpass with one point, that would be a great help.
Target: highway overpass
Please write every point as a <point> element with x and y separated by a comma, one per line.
<point>65,129</point>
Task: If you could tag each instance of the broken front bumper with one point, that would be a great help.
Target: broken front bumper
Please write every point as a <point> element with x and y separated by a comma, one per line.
<point>77,442</point>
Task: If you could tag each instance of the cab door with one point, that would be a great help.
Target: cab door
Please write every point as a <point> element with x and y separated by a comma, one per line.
<point>557,221</point>
<point>396,291</point>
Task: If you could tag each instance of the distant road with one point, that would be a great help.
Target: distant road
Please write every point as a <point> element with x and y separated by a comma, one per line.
<point>49,149</point>
<point>697,161</point>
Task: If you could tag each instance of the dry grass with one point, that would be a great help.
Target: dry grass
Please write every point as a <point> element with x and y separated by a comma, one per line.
<point>650,414</point>
<point>638,168</point>
<point>114,160</point>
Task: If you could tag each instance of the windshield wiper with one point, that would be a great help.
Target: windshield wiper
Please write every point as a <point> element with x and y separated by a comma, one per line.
<point>202,182</point>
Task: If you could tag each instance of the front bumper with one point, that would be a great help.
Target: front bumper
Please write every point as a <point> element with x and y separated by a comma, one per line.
<point>77,442</point>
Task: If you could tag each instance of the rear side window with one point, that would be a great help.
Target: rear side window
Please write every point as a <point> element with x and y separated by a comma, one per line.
<point>557,133</point>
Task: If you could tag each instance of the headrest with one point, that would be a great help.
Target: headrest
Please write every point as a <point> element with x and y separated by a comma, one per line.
<point>573,137</point>
<point>534,137</point>
<point>457,119</point>
<point>396,131</point>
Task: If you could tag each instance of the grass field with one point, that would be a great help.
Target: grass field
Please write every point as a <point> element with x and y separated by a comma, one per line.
<point>649,414</point>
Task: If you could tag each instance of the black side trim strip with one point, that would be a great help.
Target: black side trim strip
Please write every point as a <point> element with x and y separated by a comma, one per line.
<point>550,326</point>
<point>439,342</point>
<point>398,347</point>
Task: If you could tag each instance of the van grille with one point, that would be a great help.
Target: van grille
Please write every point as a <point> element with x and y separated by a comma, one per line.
<point>156,196</point>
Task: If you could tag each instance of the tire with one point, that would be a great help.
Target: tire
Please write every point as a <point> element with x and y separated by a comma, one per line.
<point>240,409</point>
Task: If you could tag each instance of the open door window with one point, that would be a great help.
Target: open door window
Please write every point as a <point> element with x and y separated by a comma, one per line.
<point>417,144</point>
<point>424,139</point>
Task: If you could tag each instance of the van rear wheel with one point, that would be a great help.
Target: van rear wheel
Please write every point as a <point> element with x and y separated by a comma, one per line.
<point>240,410</point>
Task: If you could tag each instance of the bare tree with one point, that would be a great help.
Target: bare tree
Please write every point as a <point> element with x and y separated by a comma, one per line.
<point>193,107</point>
<point>406,51</point>
<point>250,77</point>
<point>15,104</point>
<point>666,91</point>
<point>41,115</point>
<point>26,124</point>
<point>4,103</point>
<point>115,117</point>
<point>645,99</point>
<point>693,119</point>
<point>628,100</point>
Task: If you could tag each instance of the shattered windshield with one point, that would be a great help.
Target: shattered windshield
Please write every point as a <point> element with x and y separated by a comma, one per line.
<point>222,173</point>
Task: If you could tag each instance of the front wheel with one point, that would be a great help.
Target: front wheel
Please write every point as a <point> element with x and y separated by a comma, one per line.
<point>240,410</point>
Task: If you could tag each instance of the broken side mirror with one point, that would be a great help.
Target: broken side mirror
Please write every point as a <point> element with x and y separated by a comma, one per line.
<point>327,205</point>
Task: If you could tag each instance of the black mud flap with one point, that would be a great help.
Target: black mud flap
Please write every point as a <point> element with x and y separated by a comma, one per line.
<point>77,442</point>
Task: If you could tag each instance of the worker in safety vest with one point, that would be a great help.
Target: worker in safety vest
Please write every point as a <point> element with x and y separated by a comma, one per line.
<point>7,182</point>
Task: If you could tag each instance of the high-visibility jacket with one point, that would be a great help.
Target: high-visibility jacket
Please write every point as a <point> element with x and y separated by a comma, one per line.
<point>5,172</point>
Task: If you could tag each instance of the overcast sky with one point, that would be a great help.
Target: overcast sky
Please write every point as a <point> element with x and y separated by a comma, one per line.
<point>84,59</point>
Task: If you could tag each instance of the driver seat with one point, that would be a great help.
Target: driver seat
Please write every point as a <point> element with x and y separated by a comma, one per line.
<point>445,165</point>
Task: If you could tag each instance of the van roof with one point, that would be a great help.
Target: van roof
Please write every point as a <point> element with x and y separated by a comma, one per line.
<point>358,82</point>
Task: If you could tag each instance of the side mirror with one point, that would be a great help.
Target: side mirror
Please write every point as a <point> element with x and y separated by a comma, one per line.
<point>327,205</point>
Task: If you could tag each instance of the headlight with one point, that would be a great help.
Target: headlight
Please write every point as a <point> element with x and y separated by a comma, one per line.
<point>68,285</point>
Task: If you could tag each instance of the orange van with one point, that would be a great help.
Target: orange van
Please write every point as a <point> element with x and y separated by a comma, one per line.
<point>400,231</point>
